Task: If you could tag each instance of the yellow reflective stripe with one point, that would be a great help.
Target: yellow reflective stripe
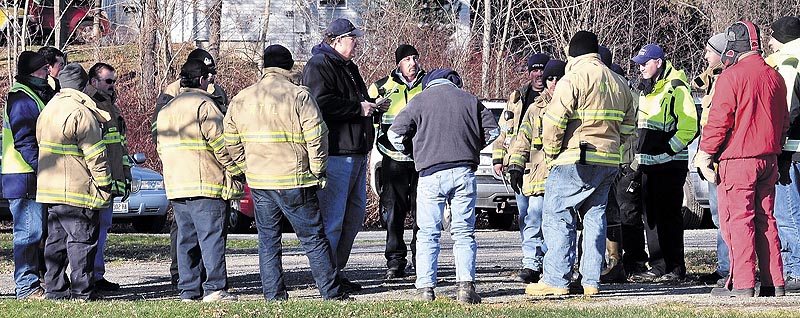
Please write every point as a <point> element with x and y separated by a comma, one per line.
<point>627,129</point>
<point>498,153</point>
<point>573,156</point>
<point>388,119</point>
<point>60,149</point>
<point>315,132</point>
<point>218,143</point>
<point>533,187</point>
<point>551,150</point>
<point>518,159</point>
<point>118,186</point>
<point>598,114</point>
<point>792,145</point>
<point>103,181</point>
<point>271,136</point>
<point>112,137</point>
<point>96,149</point>
<point>234,169</point>
<point>558,122</point>
<point>267,181</point>
<point>126,161</point>
<point>395,155</point>
<point>232,138</point>
<point>72,198</point>
<point>193,190</point>
<point>651,124</point>
<point>318,166</point>
<point>526,129</point>
<point>187,144</point>
<point>646,159</point>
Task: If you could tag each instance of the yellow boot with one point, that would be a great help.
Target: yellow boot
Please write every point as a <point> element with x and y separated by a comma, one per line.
<point>542,289</point>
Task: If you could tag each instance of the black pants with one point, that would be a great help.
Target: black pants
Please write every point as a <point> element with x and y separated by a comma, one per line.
<point>398,197</point>
<point>71,239</point>
<point>625,224</point>
<point>662,197</point>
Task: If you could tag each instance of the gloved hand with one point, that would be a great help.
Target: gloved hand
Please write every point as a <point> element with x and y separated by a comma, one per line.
<point>705,166</point>
<point>516,181</point>
<point>323,181</point>
<point>127,192</point>
<point>783,172</point>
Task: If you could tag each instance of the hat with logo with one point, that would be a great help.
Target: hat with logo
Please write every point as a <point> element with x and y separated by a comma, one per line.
<point>342,27</point>
<point>205,57</point>
<point>648,52</point>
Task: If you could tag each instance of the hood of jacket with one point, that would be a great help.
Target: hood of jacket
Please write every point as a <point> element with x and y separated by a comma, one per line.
<point>326,49</point>
<point>292,76</point>
<point>81,97</point>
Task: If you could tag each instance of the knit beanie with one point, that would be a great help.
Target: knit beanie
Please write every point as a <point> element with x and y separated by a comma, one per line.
<point>743,36</point>
<point>605,55</point>
<point>537,61</point>
<point>442,73</point>
<point>583,42</point>
<point>205,57</point>
<point>403,51</point>
<point>29,61</point>
<point>553,68</point>
<point>73,76</point>
<point>717,43</point>
<point>277,55</point>
<point>786,29</point>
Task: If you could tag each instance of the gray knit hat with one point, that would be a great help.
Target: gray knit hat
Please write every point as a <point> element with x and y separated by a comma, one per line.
<point>73,76</point>
<point>717,43</point>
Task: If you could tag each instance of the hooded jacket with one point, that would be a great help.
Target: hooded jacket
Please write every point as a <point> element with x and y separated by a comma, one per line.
<point>114,132</point>
<point>338,89</point>
<point>73,167</point>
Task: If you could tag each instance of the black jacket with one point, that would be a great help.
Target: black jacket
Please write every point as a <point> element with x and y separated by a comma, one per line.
<point>339,90</point>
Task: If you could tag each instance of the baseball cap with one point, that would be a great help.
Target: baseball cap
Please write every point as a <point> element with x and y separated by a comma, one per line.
<point>342,27</point>
<point>648,52</point>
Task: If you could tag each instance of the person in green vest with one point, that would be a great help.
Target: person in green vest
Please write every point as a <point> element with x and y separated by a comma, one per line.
<point>398,192</point>
<point>20,162</point>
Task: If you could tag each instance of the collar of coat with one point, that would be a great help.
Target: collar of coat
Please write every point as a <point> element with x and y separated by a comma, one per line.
<point>195,90</point>
<point>544,98</point>
<point>706,79</point>
<point>397,76</point>
<point>289,75</point>
<point>575,62</point>
<point>81,97</point>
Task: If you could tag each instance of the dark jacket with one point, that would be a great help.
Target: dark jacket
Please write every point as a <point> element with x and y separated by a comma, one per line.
<point>448,127</point>
<point>338,88</point>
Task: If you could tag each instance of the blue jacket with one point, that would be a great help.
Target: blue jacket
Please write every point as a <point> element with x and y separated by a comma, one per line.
<point>22,115</point>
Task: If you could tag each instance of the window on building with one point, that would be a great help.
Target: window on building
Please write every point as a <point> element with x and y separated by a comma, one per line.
<point>332,3</point>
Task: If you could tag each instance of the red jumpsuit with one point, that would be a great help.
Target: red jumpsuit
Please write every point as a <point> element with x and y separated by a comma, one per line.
<point>745,131</point>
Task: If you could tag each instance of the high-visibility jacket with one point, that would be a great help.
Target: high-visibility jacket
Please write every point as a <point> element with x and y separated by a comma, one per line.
<point>114,132</point>
<point>275,133</point>
<point>592,108</point>
<point>787,62</point>
<point>393,88</point>
<point>12,161</point>
<point>526,153</point>
<point>667,120</point>
<point>191,145</point>
<point>73,168</point>
<point>173,89</point>
<point>509,123</point>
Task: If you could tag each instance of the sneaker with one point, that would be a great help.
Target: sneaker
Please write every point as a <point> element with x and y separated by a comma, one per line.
<point>725,292</point>
<point>394,273</point>
<point>105,285</point>
<point>220,296</point>
<point>648,276</point>
<point>466,293</point>
<point>527,276</point>
<point>590,291</point>
<point>348,286</point>
<point>542,289</point>
<point>425,294</point>
<point>792,283</point>
<point>771,291</point>
<point>37,294</point>
<point>711,278</point>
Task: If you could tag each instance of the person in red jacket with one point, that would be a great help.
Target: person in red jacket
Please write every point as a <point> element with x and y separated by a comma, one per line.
<point>745,132</point>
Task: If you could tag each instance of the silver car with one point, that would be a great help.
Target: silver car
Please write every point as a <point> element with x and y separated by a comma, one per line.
<point>146,207</point>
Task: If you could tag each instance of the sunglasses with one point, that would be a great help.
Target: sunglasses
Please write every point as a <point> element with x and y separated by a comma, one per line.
<point>552,78</point>
<point>108,81</point>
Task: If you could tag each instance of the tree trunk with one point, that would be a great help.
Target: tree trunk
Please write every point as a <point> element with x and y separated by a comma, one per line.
<point>148,49</point>
<point>96,27</point>
<point>214,22</point>
<point>263,35</point>
<point>487,34</point>
<point>59,31</point>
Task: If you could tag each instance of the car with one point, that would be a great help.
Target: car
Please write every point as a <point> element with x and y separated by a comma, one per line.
<point>696,207</point>
<point>494,196</point>
<point>146,207</point>
<point>79,19</point>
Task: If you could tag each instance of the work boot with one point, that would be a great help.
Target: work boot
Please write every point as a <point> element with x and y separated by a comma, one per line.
<point>771,291</point>
<point>542,289</point>
<point>527,276</point>
<point>589,291</point>
<point>614,271</point>
<point>740,293</point>
<point>425,294</point>
<point>467,294</point>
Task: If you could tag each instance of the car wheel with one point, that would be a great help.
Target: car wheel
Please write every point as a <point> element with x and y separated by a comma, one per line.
<point>501,221</point>
<point>238,222</point>
<point>150,224</point>
<point>692,210</point>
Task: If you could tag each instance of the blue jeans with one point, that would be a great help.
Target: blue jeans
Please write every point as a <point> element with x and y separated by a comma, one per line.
<point>301,207</point>
<point>28,228</point>
<point>455,188</point>
<point>571,191</point>
<point>100,259</point>
<point>787,216</point>
<point>201,238</point>
<point>723,259</point>
<point>530,229</point>
<point>343,203</point>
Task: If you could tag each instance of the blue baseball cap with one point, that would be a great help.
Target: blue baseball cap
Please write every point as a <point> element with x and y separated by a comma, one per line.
<point>342,27</point>
<point>648,52</point>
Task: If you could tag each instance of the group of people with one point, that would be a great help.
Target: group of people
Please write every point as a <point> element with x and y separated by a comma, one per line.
<point>578,143</point>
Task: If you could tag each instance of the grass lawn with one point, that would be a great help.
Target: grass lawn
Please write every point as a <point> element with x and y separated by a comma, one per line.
<point>318,308</point>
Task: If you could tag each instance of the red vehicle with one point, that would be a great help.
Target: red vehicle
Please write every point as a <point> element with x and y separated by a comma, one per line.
<point>79,19</point>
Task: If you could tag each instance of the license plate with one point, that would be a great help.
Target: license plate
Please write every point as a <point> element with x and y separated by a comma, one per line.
<point>120,207</point>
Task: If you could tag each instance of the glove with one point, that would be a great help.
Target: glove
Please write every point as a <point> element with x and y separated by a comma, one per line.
<point>127,192</point>
<point>705,166</point>
<point>323,181</point>
<point>783,172</point>
<point>516,181</point>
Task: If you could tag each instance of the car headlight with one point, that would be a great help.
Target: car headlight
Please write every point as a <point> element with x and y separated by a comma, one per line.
<point>486,167</point>
<point>151,185</point>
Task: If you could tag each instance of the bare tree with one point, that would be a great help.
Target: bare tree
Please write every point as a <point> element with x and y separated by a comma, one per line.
<point>215,21</point>
<point>148,49</point>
